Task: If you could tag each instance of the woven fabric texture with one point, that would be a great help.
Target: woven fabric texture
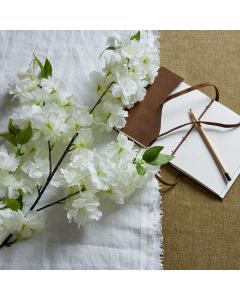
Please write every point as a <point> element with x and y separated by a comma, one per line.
<point>200,231</point>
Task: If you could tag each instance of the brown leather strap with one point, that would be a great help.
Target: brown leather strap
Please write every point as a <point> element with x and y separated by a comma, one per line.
<point>217,124</point>
<point>188,90</point>
<point>191,89</point>
<point>167,183</point>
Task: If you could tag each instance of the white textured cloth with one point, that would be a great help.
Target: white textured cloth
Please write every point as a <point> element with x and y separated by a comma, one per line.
<point>127,237</point>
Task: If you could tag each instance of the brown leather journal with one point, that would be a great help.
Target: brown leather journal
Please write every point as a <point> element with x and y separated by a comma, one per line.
<point>144,119</point>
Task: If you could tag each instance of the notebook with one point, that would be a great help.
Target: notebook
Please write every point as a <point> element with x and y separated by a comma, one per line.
<point>193,157</point>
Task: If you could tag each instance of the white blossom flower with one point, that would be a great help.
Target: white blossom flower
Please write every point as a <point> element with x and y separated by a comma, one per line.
<point>151,61</point>
<point>124,88</point>
<point>36,168</point>
<point>104,172</point>
<point>83,208</point>
<point>84,139</point>
<point>32,72</point>
<point>118,41</point>
<point>12,185</point>
<point>98,84</point>
<point>24,114</point>
<point>8,162</point>
<point>111,114</point>
<point>132,50</point>
<point>78,171</point>
<point>79,117</point>
<point>9,185</point>
<point>124,182</point>
<point>27,88</point>
<point>123,148</point>
<point>56,91</point>
<point>113,66</point>
<point>32,222</point>
<point>51,122</point>
<point>19,224</point>
<point>9,223</point>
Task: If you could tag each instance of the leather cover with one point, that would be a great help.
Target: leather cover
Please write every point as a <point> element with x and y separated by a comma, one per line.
<point>144,120</point>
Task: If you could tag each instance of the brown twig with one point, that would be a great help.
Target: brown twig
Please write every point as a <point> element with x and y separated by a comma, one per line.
<point>54,171</point>
<point>58,201</point>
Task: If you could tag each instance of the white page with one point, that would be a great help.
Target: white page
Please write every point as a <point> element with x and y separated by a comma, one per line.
<point>193,157</point>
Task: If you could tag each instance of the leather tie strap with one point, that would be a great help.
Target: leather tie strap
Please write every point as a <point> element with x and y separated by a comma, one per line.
<point>217,124</point>
<point>193,88</point>
<point>188,90</point>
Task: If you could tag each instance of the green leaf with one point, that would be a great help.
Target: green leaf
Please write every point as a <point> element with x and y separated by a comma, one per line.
<point>25,135</point>
<point>9,137</point>
<point>40,65</point>
<point>47,69</point>
<point>19,199</point>
<point>12,129</point>
<point>140,169</point>
<point>151,153</point>
<point>136,36</point>
<point>162,159</point>
<point>13,204</point>
<point>108,48</point>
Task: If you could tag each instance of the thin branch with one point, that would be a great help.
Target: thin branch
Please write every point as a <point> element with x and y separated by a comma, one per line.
<point>137,154</point>
<point>6,241</point>
<point>104,93</point>
<point>58,201</point>
<point>39,188</point>
<point>54,171</point>
<point>50,157</point>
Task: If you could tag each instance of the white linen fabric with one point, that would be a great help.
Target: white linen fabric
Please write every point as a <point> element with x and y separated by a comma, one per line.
<point>128,236</point>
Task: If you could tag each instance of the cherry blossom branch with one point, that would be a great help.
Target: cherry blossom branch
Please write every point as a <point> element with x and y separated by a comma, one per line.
<point>58,201</point>
<point>67,150</point>
<point>42,189</point>
<point>38,188</point>
<point>99,100</point>
<point>6,241</point>
<point>54,171</point>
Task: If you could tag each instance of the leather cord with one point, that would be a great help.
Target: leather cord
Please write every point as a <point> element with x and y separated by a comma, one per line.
<point>223,125</point>
<point>188,90</point>
<point>167,183</point>
<point>193,88</point>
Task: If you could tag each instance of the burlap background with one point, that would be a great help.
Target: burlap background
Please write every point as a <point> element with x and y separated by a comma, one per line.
<point>200,231</point>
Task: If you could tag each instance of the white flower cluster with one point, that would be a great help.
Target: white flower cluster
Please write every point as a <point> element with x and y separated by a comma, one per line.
<point>45,122</point>
<point>100,175</point>
<point>133,65</point>
<point>53,112</point>
<point>19,224</point>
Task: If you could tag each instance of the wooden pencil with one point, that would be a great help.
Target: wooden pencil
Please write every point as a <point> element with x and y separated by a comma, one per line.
<point>210,147</point>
